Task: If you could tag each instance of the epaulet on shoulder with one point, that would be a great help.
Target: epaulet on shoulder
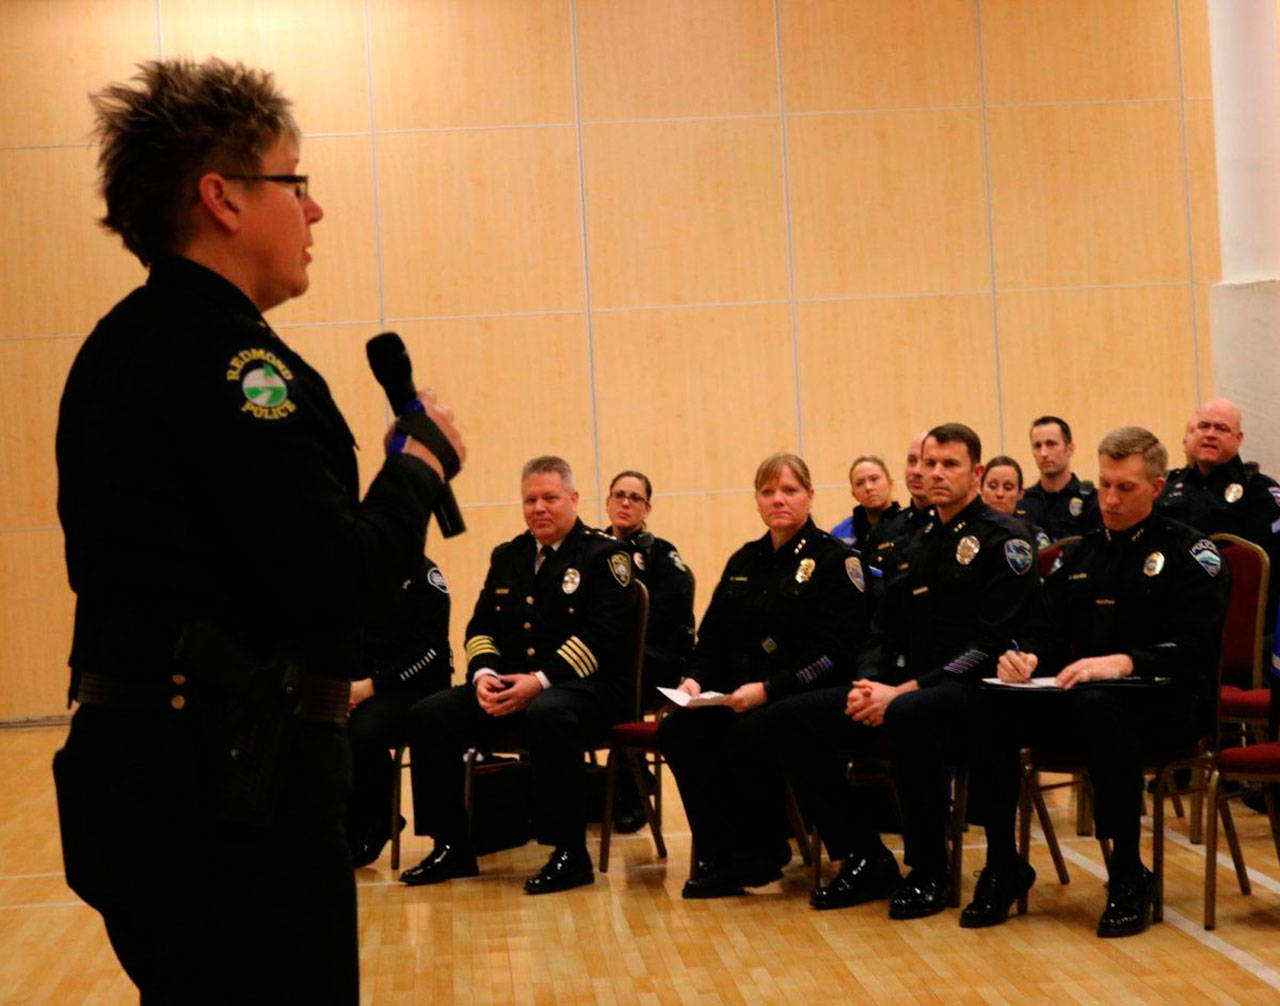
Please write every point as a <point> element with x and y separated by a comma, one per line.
<point>1009,523</point>
<point>601,541</point>
<point>1251,468</point>
<point>1087,487</point>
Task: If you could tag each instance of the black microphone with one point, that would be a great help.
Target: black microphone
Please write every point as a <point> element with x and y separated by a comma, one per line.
<point>392,368</point>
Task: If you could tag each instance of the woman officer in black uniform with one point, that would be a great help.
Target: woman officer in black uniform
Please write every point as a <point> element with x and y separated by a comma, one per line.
<point>787,614</point>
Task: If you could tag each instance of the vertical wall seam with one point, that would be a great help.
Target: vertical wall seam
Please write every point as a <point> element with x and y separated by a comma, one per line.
<point>991,229</point>
<point>1186,186</point>
<point>373,162</point>
<point>793,310</point>
<point>159,32</point>
<point>586,261</point>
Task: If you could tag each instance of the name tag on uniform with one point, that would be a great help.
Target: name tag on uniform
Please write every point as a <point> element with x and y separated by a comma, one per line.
<point>503,590</point>
<point>1105,600</point>
<point>921,590</point>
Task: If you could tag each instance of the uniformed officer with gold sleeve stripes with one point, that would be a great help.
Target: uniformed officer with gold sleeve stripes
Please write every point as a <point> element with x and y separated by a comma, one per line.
<point>546,654</point>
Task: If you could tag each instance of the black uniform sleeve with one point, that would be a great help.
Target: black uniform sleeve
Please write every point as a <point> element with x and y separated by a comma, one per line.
<point>837,622</point>
<point>670,631</point>
<point>482,631</point>
<point>421,621</point>
<point>600,646</point>
<point>713,632</point>
<point>1193,639</point>
<point>1010,608</point>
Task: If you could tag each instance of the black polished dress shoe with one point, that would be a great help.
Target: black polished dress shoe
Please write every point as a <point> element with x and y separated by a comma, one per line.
<point>998,888</point>
<point>565,869</point>
<point>370,845</point>
<point>445,863</point>
<point>861,879</point>
<point>1128,910</point>
<point>919,895</point>
<point>712,881</point>
<point>628,820</point>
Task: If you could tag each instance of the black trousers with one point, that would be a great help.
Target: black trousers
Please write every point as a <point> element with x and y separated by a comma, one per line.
<point>734,803</point>
<point>1108,729</point>
<point>202,910</point>
<point>377,725</point>
<point>808,739</point>
<point>930,732</point>
<point>556,728</point>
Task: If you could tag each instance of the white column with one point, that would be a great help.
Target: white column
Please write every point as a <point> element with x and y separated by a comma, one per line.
<point>1245,305</point>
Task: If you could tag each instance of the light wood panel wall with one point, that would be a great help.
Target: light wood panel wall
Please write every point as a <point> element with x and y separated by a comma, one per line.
<point>665,234</point>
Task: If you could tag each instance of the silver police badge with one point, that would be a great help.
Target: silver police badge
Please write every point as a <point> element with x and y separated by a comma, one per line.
<point>437,580</point>
<point>853,566</point>
<point>638,559</point>
<point>966,550</point>
<point>1076,506</point>
<point>571,580</point>
<point>1154,564</point>
<point>804,570</point>
<point>1233,492</point>
<point>620,567</point>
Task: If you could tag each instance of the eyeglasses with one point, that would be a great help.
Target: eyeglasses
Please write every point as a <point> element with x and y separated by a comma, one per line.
<point>299,182</point>
<point>618,496</point>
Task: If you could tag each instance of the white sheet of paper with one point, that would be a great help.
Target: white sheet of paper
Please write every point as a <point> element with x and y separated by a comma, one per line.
<point>687,701</point>
<point>1049,682</point>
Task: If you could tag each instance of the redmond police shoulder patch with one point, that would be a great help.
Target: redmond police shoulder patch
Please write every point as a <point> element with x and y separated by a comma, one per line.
<point>437,580</point>
<point>620,567</point>
<point>1275,494</point>
<point>853,566</point>
<point>263,380</point>
<point>1206,553</point>
<point>1018,554</point>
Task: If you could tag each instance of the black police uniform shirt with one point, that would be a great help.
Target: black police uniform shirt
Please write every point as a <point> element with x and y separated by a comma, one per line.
<point>571,620</point>
<point>406,646</point>
<point>206,472</point>
<point>1156,592</point>
<point>1234,498</point>
<point>873,542</point>
<point>1070,511</point>
<point>1034,530</point>
<point>789,617</point>
<point>669,633</point>
<point>961,594</point>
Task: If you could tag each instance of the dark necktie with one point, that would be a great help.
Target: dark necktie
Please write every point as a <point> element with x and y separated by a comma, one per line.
<point>544,561</point>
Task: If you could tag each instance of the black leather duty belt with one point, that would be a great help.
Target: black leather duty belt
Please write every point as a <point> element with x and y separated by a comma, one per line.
<point>318,700</point>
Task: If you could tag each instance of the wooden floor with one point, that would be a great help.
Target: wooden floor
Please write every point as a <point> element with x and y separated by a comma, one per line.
<point>631,939</point>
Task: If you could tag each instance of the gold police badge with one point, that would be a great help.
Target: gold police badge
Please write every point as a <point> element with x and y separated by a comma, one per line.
<point>804,570</point>
<point>620,567</point>
<point>571,580</point>
<point>1234,492</point>
<point>638,559</point>
<point>966,550</point>
<point>1076,506</point>
<point>1154,563</point>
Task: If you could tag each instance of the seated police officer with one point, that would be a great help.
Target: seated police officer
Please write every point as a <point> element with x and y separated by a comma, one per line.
<point>1217,491</point>
<point>1060,503</point>
<point>406,657</point>
<point>1135,626</point>
<point>1002,490</point>
<point>961,588</point>
<point>877,518</point>
<point>785,617</point>
<point>546,666</point>
<point>668,639</point>
<point>655,562</point>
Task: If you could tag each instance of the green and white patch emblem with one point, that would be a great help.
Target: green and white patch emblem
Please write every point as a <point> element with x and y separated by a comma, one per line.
<point>264,383</point>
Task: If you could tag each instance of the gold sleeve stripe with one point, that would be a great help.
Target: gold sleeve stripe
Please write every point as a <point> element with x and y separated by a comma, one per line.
<point>579,656</point>
<point>478,645</point>
<point>574,660</point>
<point>584,651</point>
